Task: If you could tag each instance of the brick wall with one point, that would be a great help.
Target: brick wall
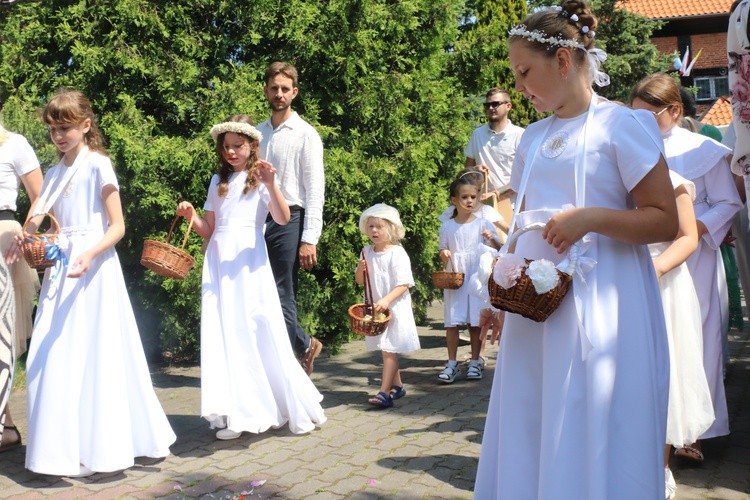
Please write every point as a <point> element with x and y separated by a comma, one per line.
<point>666,44</point>
<point>714,47</point>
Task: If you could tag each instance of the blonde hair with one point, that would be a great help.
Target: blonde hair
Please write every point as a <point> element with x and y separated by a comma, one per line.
<point>4,134</point>
<point>395,233</point>
<point>71,106</point>
<point>225,169</point>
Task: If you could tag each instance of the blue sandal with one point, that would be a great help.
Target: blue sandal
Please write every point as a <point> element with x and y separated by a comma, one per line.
<point>381,399</point>
<point>397,391</point>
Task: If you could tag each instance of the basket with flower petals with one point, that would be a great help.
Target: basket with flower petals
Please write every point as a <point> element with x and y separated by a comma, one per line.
<point>362,317</point>
<point>532,288</point>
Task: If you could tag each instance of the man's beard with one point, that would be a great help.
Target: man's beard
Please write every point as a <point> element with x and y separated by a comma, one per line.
<point>276,106</point>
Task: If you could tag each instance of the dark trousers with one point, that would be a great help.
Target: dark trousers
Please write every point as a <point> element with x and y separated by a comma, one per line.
<point>283,247</point>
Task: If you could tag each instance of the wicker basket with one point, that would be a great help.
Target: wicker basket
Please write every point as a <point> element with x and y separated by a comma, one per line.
<point>448,279</point>
<point>165,259</point>
<point>522,298</point>
<point>34,247</point>
<point>361,316</point>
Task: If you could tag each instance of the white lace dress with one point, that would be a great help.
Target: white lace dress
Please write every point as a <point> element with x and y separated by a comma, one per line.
<point>387,270</point>
<point>466,244</point>
<point>250,378</point>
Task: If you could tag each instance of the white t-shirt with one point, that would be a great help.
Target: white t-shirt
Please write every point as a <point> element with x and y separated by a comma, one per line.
<point>17,158</point>
<point>496,150</point>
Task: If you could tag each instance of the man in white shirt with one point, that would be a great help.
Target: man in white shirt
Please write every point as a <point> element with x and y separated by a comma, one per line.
<point>294,148</point>
<point>493,145</point>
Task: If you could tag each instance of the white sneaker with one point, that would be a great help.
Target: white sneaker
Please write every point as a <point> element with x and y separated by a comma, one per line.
<point>226,435</point>
<point>670,486</point>
<point>83,471</point>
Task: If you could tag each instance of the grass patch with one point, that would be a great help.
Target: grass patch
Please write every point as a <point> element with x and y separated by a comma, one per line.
<point>19,374</point>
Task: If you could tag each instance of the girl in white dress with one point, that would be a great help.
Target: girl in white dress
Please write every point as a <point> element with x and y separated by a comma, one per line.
<point>250,379</point>
<point>705,162</point>
<point>461,241</point>
<point>579,402</point>
<point>389,273</point>
<point>690,412</point>
<point>91,404</point>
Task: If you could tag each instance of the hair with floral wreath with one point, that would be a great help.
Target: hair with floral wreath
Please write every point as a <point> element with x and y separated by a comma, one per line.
<point>571,25</point>
<point>71,106</point>
<point>242,125</point>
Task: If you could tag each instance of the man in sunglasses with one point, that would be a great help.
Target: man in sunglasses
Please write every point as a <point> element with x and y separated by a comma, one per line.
<point>493,145</point>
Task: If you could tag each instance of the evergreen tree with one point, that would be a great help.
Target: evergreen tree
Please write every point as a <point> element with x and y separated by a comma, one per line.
<point>373,80</point>
<point>480,58</point>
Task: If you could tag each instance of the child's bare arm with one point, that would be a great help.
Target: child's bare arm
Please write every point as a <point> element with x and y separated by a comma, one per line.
<point>383,304</point>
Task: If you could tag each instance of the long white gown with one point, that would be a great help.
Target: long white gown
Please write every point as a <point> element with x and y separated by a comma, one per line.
<point>705,162</point>
<point>387,270</point>
<point>250,378</point>
<point>90,396</point>
<point>561,426</point>
<point>690,410</point>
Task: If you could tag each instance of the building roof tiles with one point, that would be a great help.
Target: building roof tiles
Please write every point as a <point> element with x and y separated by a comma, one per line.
<point>720,113</point>
<point>667,9</point>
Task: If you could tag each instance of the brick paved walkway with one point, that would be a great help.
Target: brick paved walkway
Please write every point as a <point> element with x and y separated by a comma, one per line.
<point>427,446</point>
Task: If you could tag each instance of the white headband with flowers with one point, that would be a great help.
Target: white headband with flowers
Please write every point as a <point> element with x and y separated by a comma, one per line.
<point>595,56</point>
<point>541,37</point>
<point>237,128</point>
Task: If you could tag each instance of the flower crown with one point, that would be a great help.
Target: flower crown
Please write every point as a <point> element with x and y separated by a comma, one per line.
<point>522,31</point>
<point>237,128</point>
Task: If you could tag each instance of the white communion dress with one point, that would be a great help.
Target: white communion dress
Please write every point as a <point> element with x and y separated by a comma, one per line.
<point>250,379</point>
<point>578,411</point>
<point>705,162</point>
<point>690,411</point>
<point>466,244</point>
<point>90,397</point>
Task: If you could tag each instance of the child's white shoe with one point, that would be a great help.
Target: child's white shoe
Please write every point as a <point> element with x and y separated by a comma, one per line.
<point>226,435</point>
<point>475,370</point>
<point>449,373</point>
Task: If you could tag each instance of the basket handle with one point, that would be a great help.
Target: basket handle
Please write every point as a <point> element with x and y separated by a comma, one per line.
<point>55,226</point>
<point>187,233</point>
<point>368,286</point>
<point>574,252</point>
<point>449,261</point>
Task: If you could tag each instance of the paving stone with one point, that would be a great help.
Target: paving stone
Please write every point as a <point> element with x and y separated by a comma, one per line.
<point>425,447</point>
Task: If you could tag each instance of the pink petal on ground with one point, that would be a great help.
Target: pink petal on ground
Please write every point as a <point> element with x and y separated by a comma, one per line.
<point>373,482</point>
<point>178,488</point>
<point>257,482</point>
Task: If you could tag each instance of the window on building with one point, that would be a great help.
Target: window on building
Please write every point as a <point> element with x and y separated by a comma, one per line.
<point>711,87</point>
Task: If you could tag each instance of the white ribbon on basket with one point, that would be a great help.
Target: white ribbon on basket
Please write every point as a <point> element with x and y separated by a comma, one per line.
<point>575,263</point>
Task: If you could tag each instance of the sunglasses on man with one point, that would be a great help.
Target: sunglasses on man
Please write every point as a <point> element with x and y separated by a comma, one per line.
<point>494,104</point>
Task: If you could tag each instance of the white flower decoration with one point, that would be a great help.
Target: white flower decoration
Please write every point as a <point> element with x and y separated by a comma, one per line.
<point>541,37</point>
<point>543,274</point>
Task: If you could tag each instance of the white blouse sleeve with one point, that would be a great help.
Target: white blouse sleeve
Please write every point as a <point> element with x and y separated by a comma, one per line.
<point>722,197</point>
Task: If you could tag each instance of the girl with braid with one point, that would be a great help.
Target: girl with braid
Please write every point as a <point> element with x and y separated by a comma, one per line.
<point>250,379</point>
<point>578,406</point>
